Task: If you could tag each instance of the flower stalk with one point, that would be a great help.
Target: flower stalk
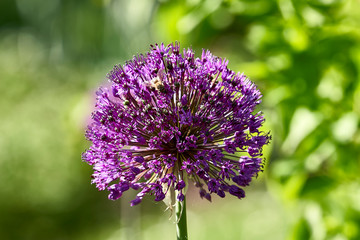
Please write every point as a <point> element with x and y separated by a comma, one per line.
<point>180,215</point>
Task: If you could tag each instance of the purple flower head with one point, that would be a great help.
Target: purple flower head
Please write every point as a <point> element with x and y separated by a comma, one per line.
<point>170,116</point>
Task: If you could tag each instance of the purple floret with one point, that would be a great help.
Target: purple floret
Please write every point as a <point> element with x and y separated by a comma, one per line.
<point>170,116</point>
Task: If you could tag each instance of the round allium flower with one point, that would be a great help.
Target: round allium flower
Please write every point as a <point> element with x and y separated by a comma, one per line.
<point>170,116</point>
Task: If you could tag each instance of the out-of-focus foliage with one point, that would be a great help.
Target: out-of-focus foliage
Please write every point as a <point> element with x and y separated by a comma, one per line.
<point>304,56</point>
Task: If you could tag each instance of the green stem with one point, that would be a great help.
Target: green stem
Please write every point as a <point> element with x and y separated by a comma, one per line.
<point>180,212</point>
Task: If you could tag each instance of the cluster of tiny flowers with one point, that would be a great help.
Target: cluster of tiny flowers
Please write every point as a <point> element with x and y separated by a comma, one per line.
<point>169,116</point>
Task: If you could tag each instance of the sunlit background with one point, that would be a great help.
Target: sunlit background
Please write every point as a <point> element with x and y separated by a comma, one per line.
<point>303,55</point>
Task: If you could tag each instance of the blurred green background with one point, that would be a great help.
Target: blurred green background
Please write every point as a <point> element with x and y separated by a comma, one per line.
<point>303,55</point>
